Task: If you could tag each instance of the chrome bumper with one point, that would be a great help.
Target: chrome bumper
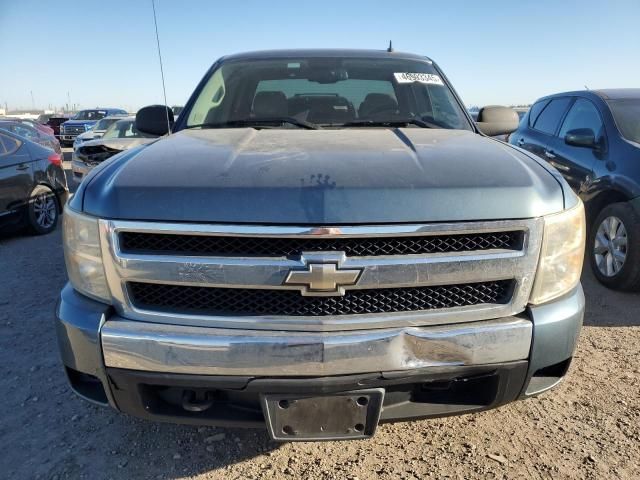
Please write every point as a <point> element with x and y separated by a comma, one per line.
<point>210,351</point>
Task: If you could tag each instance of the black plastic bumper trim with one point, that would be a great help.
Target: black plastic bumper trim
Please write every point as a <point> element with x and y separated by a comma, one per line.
<point>416,394</point>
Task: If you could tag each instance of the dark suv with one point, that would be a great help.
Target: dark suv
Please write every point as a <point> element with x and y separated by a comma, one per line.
<point>593,138</point>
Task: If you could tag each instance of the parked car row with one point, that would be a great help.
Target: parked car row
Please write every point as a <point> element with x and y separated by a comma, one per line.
<point>97,131</point>
<point>592,138</point>
<point>119,136</point>
<point>83,121</point>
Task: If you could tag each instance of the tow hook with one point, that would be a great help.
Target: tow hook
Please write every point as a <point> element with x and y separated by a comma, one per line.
<point>194,401</point>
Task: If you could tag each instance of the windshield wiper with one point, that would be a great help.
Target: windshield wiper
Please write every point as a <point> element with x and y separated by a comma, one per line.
<point>388,123</point>
<point>259,122</point>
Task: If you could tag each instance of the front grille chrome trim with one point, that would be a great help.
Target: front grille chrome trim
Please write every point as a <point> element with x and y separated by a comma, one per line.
<point>270,272</point>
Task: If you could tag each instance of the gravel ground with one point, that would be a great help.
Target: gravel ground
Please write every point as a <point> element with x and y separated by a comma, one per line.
<point>589,427</point>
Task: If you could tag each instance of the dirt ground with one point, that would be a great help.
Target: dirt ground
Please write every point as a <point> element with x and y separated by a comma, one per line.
<point>589,427</point>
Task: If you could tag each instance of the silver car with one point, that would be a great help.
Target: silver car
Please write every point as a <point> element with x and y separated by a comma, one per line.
<point>121,135</point>
<point>97,131</point>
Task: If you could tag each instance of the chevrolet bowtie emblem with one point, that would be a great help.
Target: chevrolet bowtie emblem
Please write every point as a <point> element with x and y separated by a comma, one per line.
<point>322,279</point>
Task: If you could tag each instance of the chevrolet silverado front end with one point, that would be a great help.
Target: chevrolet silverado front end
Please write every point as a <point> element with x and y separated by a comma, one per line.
<point>317,269</point>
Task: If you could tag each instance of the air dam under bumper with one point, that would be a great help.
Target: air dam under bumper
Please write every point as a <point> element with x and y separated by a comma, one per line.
<point>148,370</point>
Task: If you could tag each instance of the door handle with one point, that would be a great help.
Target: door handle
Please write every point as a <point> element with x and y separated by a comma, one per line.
<point>22,166</point>
<point>520,142</point>
<point>549,154</point>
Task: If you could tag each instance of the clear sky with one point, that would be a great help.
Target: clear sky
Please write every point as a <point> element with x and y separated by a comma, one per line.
<point>494,52</point>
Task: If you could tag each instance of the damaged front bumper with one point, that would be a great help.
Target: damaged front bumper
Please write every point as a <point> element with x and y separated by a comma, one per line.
<point>149,369</point>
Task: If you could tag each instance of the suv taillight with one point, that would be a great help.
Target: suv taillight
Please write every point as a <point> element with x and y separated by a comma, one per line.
<point>55,159</point>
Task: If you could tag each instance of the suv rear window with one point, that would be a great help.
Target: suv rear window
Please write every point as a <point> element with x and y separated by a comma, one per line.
<point>549,118</point>
<point>535,111</point>
<point>626,113</point>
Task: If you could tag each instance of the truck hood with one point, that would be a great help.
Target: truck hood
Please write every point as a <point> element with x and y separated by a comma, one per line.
<point>343,176</point>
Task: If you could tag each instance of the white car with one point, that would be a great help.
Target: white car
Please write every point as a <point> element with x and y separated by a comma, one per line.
<point>97,131</point>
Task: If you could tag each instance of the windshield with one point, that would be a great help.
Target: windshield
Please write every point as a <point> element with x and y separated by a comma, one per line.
<point>105,123</point>
<point>328,92</point>
<point>627,116</point>
<point>124,129</point>
<point>90,115</point>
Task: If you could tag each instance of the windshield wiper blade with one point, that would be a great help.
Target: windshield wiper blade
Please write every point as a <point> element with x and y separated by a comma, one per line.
<point>249,122</point>
<point>389,123</point>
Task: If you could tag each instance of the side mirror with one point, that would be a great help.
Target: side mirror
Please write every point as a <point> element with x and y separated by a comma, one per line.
<point>581,137</point>
<point>496,120</point>
<point>153,120</point>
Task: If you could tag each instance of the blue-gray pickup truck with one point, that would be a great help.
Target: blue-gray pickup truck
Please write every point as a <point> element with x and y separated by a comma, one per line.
<point>323,241</point>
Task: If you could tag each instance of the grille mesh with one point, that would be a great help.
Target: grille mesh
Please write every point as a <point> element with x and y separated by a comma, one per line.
<point>242,302</point>
<point>74,130</point>
<point>136,242</point>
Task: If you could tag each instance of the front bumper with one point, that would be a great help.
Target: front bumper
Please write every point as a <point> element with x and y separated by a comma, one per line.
<point>211,351</point>
<point>78,168</point>
<point>145,368</point>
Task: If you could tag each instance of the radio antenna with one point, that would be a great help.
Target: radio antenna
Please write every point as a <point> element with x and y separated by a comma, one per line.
<point>164,90</point>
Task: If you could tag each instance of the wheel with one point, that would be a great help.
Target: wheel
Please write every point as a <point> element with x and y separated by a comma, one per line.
<point>614,247</point>
<point>42,211</point>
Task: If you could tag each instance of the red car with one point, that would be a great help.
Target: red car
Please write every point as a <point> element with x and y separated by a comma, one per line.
<point>54,122</point>
<point>46,129</point>
<point>34,134</point>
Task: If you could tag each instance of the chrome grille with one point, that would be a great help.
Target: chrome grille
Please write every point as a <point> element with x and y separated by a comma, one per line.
<point>233,276</point>
<point>73,129</point>
<point>231,301</point>
<point>139,242</point>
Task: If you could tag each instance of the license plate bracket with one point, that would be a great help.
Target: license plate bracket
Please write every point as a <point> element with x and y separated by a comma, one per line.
<point>339,416</point>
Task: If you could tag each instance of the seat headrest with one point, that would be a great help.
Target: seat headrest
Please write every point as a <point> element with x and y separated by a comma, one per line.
<point>270,104</point>
<point>375,103</point>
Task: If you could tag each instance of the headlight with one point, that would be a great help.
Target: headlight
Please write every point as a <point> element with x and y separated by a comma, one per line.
<point>561,255</point>
<point>83,256</point>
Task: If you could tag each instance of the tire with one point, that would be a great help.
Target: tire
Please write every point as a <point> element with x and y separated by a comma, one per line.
<point>614,247</point>
<point>43,211</point>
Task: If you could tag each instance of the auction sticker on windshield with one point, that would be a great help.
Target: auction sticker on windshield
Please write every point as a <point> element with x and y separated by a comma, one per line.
<point>406,77</point>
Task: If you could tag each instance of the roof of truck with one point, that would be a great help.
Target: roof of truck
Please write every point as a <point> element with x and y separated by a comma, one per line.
<point>330,52</point>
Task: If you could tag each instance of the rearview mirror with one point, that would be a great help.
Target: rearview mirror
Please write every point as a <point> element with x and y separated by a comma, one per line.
<point>496,120</point>
<point>153,120</point>
<point>581,137</point>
